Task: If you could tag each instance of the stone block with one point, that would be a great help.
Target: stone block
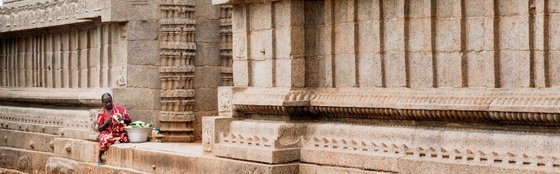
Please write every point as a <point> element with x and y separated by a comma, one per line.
<point>476,28</point>
<point>420,36</point>
<point>290,72</point>
<point>256,154</point>
<point>540,69</point>
<point>554,29</point>
<point>282,14</point>
<point>141,76</point>
<point>368,37</point>
<point>514,33</point>
<point>479,8</point>
<point>449,72</point>
<point>515,69</point>
<point>241,73</point>
<point>481,69</point>
<point>345,11</point>
<point>314,13</point>
<point>207,77</point>
<point>137,98</point>
<point>394,35</point>
<point>121,11</point>
<point>554,68</point>
<point>315,71</point>
<point>420,8</point>
<point>207,54</point>
<point>239,19</point>
<point>421,69</point>
<point>288,42</point>
<point>27,140</point>
<point>513,7</point>
<point>344,38</point>
<point>260,44</point>
<point>261,141</point>
<point>367,10</point>
<point>145,30</point>
<point>448,36</point>
<point>240,46</point>
<point>314,41</point>
<point>78,150</point>
<point>448,8</point>
<point>24,160</point>
<point>261,73</point>
<point>211,126</point>
<point>206,99</point>
<point>225,97</point>
<point>554,6</point>
<point>370,72</point>
<point>143,53</point>
<point>260,16</point>
<point>320,169</point>
<point>210,30</point>
<point>345,70</point>
<point>393,9</point>
<point>395,69</point>
<point>221,165</point>
<point>205,10</point>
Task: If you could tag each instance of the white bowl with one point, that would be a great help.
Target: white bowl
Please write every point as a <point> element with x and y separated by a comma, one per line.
<point>138,135</point>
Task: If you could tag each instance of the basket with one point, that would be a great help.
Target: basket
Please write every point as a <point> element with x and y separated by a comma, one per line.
<point>138,135</point>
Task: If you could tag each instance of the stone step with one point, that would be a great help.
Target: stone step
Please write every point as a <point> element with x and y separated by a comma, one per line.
<point>23,160</point>
<point>57,165</point>
<point>27,140</point>
<point>10,171</point>
<point>183,158</point>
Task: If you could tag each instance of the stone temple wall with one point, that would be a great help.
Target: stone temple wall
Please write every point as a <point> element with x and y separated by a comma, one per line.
<point>405,86</point>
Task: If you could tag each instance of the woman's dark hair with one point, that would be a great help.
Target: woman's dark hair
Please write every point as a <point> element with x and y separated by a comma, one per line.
<point>105,95</point>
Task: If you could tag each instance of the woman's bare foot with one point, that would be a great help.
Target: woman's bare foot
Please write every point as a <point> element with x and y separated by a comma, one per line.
<point>100,161</point>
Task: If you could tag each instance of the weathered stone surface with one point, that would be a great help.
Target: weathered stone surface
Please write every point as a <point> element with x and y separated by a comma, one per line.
<point>23,160</point>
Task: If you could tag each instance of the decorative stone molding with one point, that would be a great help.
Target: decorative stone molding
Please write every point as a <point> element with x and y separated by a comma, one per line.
<point>211,128</point>
<point>40,14</point>
<point>261,141</point>
<point>516,106</point>
<point>82,97</point>
<point>67,123</point>
<point>379,148</point>
<point>177,53</point>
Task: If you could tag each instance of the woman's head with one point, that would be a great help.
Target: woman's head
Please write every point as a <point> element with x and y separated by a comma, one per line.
<point>107,101</point>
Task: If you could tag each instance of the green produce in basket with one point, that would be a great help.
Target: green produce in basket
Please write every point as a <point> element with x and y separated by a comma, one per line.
<point>139,124</point>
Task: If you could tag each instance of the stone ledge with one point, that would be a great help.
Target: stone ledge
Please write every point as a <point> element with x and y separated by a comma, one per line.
<point>27,140</point>
<point>237,2</point>
<point>270,156</point>
<point>53,96</point>
<point>516,106</point>
<point>56,165</point>
<point>23,160</point>
<point>80,150</point>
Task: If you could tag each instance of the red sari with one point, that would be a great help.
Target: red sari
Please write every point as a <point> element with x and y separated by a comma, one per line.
<point>115,132</point>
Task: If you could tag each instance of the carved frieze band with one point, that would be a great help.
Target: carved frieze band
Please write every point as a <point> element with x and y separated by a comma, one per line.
<point>499,148</point>
<point>18,116</point>
<point>523,106</point>
<point>49,13</point>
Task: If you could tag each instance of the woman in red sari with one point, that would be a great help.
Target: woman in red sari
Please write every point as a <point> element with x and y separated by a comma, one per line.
<point>111,120</point>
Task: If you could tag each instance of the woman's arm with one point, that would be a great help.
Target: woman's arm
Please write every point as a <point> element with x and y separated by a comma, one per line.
<point>104,126</point>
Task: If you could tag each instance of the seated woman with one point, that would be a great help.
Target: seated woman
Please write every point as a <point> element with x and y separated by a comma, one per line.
<point>111,120</point>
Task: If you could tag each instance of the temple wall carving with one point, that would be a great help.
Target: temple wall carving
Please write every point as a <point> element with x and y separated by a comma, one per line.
<point>177,54</point>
